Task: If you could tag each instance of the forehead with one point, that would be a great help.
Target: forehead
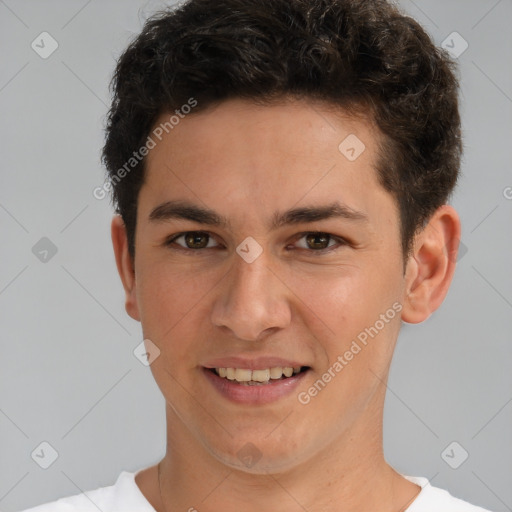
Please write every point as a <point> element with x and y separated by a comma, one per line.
<point>265,157</point>
<point>239,126</point>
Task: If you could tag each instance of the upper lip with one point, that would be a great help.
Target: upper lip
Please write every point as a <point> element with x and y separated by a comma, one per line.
<point>257,363</point>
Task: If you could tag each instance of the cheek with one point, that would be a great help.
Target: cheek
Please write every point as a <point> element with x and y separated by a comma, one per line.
<point>345,304</point>
<point>170,303</point>
<point>341,298</point>
<point>167,295</point>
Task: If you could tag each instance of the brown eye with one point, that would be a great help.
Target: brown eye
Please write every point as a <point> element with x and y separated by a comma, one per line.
<point>192,240</point>
<point>196,240</point>
<point>318,241</point>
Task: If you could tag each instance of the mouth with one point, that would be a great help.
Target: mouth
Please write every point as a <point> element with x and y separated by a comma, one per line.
<point>246,377</point>
<point>255,386</point>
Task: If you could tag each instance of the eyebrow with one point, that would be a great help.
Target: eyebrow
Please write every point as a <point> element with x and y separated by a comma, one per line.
<point>189,211</point>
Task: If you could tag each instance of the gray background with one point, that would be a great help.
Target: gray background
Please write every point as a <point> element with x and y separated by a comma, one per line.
<point>68,375</point>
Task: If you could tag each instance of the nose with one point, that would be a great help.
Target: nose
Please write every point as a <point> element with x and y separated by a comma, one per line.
<point>252,300</point>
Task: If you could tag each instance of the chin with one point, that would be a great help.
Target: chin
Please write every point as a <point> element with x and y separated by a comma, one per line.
<point>259,454</point>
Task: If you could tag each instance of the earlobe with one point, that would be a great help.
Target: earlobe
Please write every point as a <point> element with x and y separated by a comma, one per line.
<point>431,265</point>
<point>125,266</point>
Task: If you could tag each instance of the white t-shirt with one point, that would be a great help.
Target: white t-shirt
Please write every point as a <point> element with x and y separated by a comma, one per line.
<point>125,496</point>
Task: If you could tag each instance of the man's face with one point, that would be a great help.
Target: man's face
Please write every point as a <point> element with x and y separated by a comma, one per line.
<point>210,299</point>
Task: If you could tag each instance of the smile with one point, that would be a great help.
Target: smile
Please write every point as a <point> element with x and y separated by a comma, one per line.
<point>258,386</point>
<point>257,377</point>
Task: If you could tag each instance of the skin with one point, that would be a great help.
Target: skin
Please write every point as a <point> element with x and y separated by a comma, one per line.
<point>246,162</point>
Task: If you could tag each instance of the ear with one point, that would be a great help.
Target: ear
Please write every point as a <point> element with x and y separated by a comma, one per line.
<point>431,265</point>
<point>125,266</point>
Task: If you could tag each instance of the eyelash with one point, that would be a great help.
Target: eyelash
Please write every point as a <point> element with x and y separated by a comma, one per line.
<point>341,241</point>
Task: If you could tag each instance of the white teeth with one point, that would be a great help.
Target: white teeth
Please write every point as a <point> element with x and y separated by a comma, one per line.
<point>253,376</point>
<point>276,373</point>
<point>288,372</point>
<point>242,375</point>
<point>261,375</point>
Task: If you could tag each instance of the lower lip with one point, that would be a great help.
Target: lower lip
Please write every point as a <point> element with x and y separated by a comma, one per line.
<point>257,394</point>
